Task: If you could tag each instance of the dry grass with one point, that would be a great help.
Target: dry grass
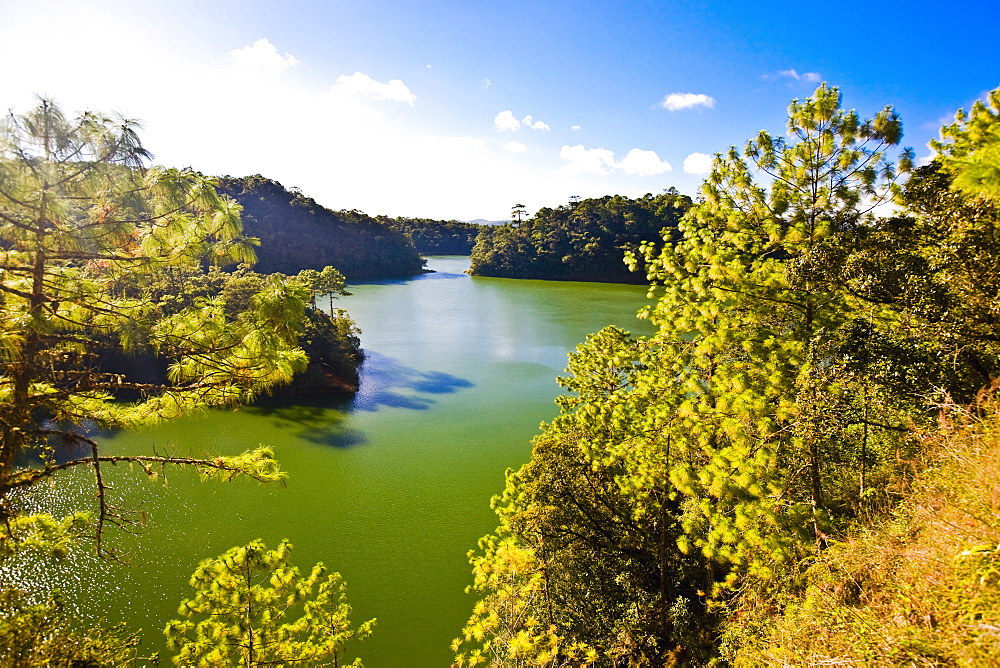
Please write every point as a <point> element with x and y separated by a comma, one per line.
<point>921,589</point>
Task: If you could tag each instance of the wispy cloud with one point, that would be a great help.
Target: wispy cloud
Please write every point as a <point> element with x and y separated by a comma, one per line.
<point>586,160</point>
<point>677,101</point>
<point>698,163</point>
<point>514,147</point>
<point>262,56</point>
<point>395,90</point>
<point>808,77</point>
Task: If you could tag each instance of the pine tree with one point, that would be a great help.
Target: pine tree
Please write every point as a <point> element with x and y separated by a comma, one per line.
<point>243,611</point>
<point>756,286</point>
<point>708,457</point>
<point>970,147</point>
<point>83,221</point>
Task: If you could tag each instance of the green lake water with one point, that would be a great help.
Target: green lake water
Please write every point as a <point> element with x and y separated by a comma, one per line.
<point>391,489</point>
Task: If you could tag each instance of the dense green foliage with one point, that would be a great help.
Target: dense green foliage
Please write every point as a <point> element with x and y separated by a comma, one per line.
<point>581,241</point>
<point>692,477</point>
<point>243,607</point>
<point>296,233</point>
<point>437,237</point>
<point>80,220</point>
<point>329,338</point>
<point>970,148</point>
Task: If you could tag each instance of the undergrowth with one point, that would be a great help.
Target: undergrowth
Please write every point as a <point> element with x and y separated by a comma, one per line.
<point>918,588</point>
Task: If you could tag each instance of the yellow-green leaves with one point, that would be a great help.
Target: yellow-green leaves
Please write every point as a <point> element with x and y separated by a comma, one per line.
<point>243,611</point>
<point>259,464</point>
<point>970,148</point>
<point>103,260</point>
<point>685,465</point>
<point>42,533</point>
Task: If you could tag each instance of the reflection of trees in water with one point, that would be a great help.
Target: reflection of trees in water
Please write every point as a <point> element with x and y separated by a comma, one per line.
<point>387,382</point>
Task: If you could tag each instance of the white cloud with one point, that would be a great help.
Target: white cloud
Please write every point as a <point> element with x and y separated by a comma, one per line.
<point>676,101</point>
<point>505,121</point>
<point>514,147</point>
<point>575,127</point>
<point>340,146</point>
<point>643,163</point>
<point>586,160</point>
<point>262,57</point>
<point>333,142</point>
<point>537,125</point>
<point>395,90</point>
<point>601,161</point>
<point>698,163</point>
<point>811,77</point>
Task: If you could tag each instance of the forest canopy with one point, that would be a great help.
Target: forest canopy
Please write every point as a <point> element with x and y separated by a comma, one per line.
<point>297,233</point>
<point>437,237</point>
<point>581,241</point>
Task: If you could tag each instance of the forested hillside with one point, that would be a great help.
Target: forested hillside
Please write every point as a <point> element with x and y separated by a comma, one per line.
<point>296,233</point>
<point>437,237</point>
<point>745,486</point>
<point>581,241</point>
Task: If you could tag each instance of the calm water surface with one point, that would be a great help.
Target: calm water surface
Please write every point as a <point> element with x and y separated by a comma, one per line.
<point>391,489</point>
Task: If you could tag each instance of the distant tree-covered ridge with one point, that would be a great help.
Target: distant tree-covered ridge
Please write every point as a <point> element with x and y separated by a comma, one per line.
<point>581,241</point>
<point>297,233</point>
<point>437,237</point>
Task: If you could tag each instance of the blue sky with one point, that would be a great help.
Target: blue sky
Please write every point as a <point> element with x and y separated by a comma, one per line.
<point>462,109</point>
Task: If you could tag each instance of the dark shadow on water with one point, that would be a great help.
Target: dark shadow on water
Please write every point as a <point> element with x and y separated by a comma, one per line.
<point>387,382</point>
<point>316,421</point>
<point>429,276</point>
<point>434,275</point>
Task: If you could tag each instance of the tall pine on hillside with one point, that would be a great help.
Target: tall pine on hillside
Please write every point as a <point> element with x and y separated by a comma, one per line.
<point>714,453</point>
<point>81,218</point>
